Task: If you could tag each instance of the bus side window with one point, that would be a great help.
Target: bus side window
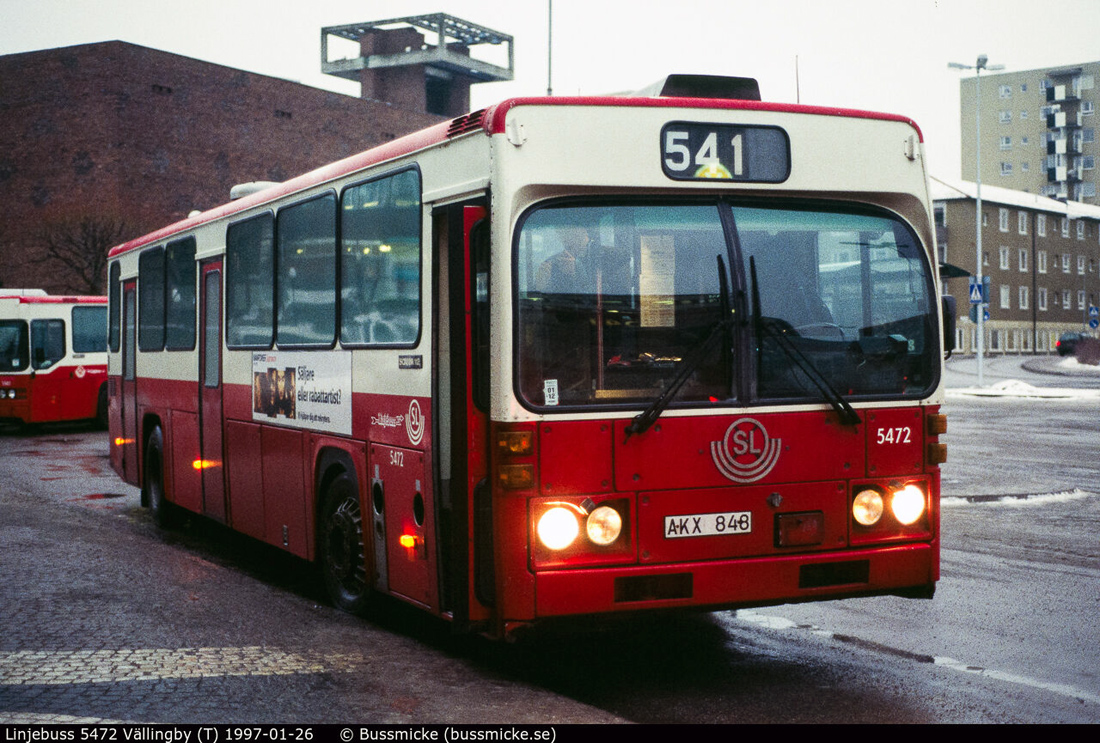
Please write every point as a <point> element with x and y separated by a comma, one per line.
<point>250,283</point>
<point>88,326</point>
<point>305,246</point>
<point>47,343</point>
<point>380,261</point>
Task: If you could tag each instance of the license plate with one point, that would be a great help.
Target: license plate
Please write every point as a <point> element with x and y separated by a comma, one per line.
<point>708,524</point>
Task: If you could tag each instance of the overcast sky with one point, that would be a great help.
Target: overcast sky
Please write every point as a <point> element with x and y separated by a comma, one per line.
<point>884,55</point>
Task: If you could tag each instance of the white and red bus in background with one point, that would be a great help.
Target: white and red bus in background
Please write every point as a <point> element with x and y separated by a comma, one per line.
<point>53,357</point>
<point>559,357</point>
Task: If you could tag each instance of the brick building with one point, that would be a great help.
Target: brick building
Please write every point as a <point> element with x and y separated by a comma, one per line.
<point>131,139</point>
<point>1042,257</point>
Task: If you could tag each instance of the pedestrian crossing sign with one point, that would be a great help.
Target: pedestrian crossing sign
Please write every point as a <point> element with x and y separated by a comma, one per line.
<point>976,293</point>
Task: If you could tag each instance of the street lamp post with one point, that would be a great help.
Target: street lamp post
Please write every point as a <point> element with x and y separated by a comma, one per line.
<point>982,64</point>
<point>549,47</point>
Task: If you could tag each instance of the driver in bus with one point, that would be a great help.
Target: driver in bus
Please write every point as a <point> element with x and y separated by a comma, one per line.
<point>568,272</point>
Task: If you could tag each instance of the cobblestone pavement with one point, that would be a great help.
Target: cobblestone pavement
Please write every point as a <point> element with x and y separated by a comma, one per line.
<point>105,618</point>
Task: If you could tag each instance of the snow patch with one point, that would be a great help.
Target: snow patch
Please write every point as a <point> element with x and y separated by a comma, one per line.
<point>1018,501</point>
<point>1016,388</point>
<point>765,620</point>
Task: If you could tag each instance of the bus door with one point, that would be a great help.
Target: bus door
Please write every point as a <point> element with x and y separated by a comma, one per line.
<point>461,389</point>
<point>210,392</point>
<point>128,401</point>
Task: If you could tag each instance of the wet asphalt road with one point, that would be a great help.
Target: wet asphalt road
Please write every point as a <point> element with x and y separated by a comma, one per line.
<point>106,618</point>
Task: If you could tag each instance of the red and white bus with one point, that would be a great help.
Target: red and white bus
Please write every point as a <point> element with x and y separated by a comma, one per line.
<point>559,357</point>
<point>53,357</point>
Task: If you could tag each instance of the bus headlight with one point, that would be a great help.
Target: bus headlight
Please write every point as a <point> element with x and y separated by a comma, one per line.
<point>867,507</point>
<point>908,504</point>
<point>604,526</point>
<point>558,528</point>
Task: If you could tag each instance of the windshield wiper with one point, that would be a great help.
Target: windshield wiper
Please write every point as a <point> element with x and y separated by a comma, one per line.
<point>768,326</point>
<point>643,420</point>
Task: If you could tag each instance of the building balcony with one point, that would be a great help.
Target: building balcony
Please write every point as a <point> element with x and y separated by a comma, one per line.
<point>1063,119</point>
<point>1064,146</point>
<point>1061,93</point>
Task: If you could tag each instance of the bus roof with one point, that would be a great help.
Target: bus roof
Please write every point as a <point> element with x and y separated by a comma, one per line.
<point>490,120</point>
<point>38,296</point>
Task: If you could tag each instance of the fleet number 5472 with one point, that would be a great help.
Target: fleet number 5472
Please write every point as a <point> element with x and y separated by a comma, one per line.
<point>900,435</point>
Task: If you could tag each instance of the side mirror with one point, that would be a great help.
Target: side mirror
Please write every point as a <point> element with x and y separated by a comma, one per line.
<point>949,317</point>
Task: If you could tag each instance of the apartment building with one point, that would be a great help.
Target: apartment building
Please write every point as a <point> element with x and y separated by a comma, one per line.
<point>1038,131</point>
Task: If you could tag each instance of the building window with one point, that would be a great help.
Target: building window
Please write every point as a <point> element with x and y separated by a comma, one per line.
<point>1005,117</point>
<point>1004,219</point>
<point>1080,265</point>
<point>1065,262</point>
<point>1065,299</point>
<point>1006,143</point>
<point>1065,229</point>
<point>1080,299</point>
<point>1041,261</point>
<point>1021,222</point>
<point>1042,299</point>
<point>1041,222</point>
<point>1006,168</point>
<point>1006,297</point>
<point>1023,259</point>
<point>1024,297</point>
<point>1004,257</point>
<point>1080,232</point>
<point>1006,91</point>
<point>1025,167</point>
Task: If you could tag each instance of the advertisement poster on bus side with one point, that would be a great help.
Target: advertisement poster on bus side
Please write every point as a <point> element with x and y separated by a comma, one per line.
<point>303,389</point>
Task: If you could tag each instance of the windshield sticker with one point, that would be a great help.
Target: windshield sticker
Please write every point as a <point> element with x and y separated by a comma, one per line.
<point>745,453</point>
<point>550,391</point>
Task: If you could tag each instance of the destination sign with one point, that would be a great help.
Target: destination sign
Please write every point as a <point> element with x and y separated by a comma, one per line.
<point>696,151</point>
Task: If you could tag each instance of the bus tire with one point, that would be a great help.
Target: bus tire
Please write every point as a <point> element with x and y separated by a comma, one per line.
<point>341,551</point>
<point>152,491</point>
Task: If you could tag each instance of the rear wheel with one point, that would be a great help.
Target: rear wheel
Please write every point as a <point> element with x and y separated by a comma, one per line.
<point>152,491</point>
<point>342,554</point>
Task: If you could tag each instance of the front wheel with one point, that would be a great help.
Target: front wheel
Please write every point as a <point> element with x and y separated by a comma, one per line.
<point>341,551</point>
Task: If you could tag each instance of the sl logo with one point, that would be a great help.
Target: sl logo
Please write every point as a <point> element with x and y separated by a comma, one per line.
<point>745,453</point>
<point>414,423</point>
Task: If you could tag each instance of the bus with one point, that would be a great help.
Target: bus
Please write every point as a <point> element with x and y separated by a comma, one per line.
<point>53,357</point>
<point>558,358</point>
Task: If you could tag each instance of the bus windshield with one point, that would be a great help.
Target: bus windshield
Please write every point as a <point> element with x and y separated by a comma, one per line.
<point>615,300</point>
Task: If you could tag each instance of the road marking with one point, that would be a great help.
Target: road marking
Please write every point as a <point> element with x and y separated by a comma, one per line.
<point>1061,689</point>
<point>782,623</point>
<point>52,667</point>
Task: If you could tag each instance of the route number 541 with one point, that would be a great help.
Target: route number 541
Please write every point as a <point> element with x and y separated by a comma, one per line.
<point>678,155</point>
